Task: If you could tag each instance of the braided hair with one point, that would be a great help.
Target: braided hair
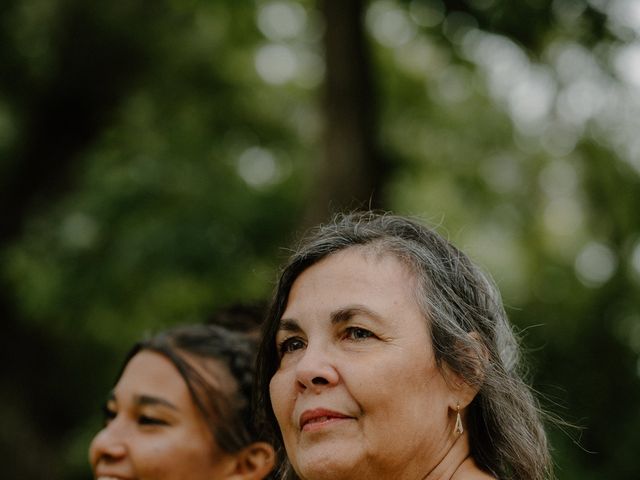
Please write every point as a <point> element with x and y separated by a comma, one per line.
<point>206,356</point>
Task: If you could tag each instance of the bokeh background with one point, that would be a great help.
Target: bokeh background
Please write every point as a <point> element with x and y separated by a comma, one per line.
<point>158,157</point>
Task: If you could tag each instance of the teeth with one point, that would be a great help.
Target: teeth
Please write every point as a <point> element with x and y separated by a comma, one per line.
<point>319,419</point>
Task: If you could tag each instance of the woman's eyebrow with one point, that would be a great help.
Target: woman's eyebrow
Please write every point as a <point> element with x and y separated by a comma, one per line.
<point>289,325</point>
<point>142,400</point>
<point>340,315</point>
<point>345,314</point>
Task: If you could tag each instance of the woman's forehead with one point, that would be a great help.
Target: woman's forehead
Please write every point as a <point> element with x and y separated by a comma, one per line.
<point>151,373</point>
<point>355,281</point>
<point>375,255</point>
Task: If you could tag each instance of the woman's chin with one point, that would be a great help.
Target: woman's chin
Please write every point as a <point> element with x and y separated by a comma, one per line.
<point>328,471</point>
<point>328,463</point>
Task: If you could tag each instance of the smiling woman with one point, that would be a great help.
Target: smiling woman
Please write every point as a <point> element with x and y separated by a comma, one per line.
<point>180,409</point>
<point>387,354</point>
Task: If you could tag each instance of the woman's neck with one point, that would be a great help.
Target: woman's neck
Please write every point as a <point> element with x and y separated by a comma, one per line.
<point>453,458</point>
<point>457,464</point>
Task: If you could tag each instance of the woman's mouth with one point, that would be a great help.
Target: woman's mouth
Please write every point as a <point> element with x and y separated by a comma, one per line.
<point>101,476</point>
<point>318,418</point>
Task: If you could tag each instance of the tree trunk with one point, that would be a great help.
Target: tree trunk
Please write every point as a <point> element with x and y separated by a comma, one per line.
<point>351,171</point>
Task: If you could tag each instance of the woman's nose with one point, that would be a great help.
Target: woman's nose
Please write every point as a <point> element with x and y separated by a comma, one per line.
<point>316,370</point>
<point>109,445</point>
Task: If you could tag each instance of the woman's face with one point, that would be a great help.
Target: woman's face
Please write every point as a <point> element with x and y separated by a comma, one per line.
<point>153,430</point>
<point>358,393</point>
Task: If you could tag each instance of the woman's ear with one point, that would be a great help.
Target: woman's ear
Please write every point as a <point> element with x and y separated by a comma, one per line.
<point>254,462</point>
<point>477,357</point>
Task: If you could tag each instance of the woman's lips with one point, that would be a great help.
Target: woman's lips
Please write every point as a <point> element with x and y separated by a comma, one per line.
<point>109,476</point>
<point>319,418</point>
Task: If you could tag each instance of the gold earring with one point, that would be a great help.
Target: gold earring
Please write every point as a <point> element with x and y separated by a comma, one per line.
<point>458,429</point>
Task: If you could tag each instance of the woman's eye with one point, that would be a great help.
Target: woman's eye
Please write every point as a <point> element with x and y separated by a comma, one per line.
<point>108,414</point>
<point>290,344</point>
<point>146,420</point>
<point>357,333</point>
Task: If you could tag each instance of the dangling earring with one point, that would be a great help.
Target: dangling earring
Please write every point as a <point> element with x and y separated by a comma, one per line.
<point>458,429</point>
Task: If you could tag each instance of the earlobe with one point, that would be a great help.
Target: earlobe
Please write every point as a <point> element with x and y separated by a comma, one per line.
<point>465,390</point>
<point>462,393</point>
<point>254,462</point>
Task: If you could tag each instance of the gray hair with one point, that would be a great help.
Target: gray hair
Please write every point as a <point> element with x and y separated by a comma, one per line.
<point>469,330</point>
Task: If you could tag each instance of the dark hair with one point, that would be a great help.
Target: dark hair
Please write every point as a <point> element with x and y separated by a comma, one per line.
<point>506,434</point>
<point>197,352</point>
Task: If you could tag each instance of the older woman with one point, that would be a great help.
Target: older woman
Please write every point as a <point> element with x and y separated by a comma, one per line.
<point>180,409</point>
<point>387,354</point>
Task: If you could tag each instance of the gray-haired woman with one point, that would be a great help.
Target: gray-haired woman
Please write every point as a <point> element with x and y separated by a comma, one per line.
<point>387,354</point>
